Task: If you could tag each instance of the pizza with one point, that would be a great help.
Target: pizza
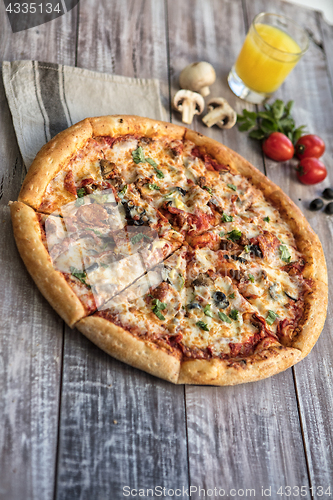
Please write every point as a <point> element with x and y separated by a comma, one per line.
<point>171,252</point>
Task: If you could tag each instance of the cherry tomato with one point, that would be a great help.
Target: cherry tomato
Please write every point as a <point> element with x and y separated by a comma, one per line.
<point>311,171</point>
<point>278,147</point>
<point>309,146</point>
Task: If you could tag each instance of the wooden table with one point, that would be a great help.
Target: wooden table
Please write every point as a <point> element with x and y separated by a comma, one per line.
<point>77,424</point>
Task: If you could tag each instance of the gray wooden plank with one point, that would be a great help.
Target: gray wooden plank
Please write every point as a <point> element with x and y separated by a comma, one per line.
<point>31,332</point>
<point>309,86</point>
<point>146,447</point>
<point>244,437</point>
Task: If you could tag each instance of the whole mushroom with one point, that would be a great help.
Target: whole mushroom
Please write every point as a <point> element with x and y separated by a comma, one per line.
<point>220,113</point>
<point>198,76</point>
<point>189,104</point>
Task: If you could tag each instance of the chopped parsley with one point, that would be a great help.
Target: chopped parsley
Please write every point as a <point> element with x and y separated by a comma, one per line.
<point>158,313</point>
<point>251,278</point>
<point>138,155</point>
<point>227,218</point>
<point>234,314</point>
<point>284,253</point>
<point>80,192</point>
<point>232,186</point>
<point>271,317</point>
<point>158,307</point>
<point>247,249</point>
<point>234,235</point>
<point>224,317</point>
<point>153,186</point>
<point>123,191</point>
<point>151,162</point>
<point>267,219</point>
<point>221,234</point>
<point>202,325</point>
<point>232,295</point>
<point>207,311</point>
<point>138,237</point>
<point>80,275</point>
<point>159,173</point>
<point>208,189</point>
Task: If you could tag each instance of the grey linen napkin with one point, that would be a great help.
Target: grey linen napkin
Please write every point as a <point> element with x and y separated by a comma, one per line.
<point>45,98</point>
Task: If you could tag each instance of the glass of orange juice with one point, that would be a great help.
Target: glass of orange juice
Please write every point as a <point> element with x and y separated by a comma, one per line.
<point>272,47</point>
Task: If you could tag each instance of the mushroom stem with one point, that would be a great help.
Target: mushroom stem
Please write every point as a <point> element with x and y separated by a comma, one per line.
<point>204,91</point>
<point>188,112</point>
<point>212,117</point>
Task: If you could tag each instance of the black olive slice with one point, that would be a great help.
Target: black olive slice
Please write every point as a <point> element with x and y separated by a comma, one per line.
<point>328,194</point>
<point>316,204</point>
<point>329,208</point>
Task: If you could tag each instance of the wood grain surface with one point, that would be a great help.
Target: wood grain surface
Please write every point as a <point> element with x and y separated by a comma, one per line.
<point>77,424</point>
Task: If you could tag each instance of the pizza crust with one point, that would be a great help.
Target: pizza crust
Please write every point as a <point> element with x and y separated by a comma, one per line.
<point>50,282</point>
<point>269,362</point>
<point>50,160</point>
<point>117,341</point>
<point>123,346</point>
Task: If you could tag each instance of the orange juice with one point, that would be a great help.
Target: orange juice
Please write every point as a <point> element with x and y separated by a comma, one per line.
<point>267,57</point>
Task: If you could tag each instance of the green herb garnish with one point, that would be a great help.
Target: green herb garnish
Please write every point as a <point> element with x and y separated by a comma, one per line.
<point>80,275</point>
<point>221,234</point>
<point>251,277</point>
<point>234,235</point>
<point>227,218</point>
<point>232,295</point>
<point>224,317</point>
<point>138,155</point>
<point>138,237</point>
<point>158,307</point>
<point>232,186</point>
<point>284,253</point>
<point>247,249</point>
<point>151,162</point>
<point>267,219</point>
<point>80,192</point>
<point>271,317</point>
<point>234,314</point>
<point>159,173</point>
<point>153,186</point>
<point>208,189</point>
<point>123,191</point>
<point>276,117</point>
<point>202,325</point>
<point>207,311</point>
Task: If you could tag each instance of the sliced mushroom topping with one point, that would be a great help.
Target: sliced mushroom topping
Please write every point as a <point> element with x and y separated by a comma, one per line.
<point>189,104</point>
<point>202,280</point>
<point>106,167</point>
<point>220,113</point>
<point>198,76</point>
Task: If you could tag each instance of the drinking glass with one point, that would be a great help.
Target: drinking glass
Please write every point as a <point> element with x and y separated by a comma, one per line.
<point>272,47</point>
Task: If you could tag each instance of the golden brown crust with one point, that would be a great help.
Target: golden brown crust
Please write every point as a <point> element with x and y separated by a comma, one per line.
<point>118,125</point>
<point>268,362</point>
<point>313,319</point>
<point>38,262</point>
<point>50,160</point>
<point>122,345</point>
